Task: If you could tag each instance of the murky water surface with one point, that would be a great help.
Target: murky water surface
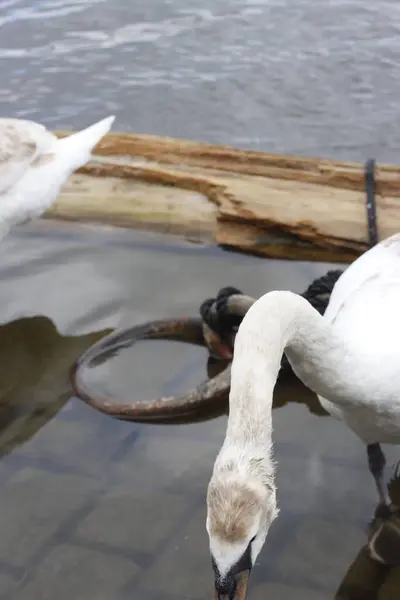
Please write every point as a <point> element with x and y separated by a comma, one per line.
<point>96,508</point>
<point>317,78</point>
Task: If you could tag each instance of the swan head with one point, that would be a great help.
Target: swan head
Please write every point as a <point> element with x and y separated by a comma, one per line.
<point>218,347</point>
<point>240,511</point>
<point>221,319</point>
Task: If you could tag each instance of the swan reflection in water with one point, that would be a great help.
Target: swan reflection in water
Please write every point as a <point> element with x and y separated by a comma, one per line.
<point>34,386</point>
<point>375,572</point>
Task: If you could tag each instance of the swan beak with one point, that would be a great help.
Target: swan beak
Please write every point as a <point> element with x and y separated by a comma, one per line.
<point>240,592</point>
<point>217,347</point>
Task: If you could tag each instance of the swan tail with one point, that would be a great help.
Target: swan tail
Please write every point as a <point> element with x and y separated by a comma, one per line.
<point>76,149</point>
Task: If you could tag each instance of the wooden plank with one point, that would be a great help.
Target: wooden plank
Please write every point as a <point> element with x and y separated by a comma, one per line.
<point>270,205</point>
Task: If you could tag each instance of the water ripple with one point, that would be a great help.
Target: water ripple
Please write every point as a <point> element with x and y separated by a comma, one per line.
<point>42,10</point>
<point>271,74</point>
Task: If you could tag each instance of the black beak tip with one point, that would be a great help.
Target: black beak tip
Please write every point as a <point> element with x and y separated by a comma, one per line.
<point>226,588</point>
<point>232,588</point>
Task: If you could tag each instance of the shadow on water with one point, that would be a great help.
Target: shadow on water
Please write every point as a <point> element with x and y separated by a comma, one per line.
<point>34,365</point>
<point>93,507</point>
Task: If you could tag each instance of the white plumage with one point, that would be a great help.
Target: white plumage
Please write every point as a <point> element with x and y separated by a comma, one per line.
<point>350,357</point>
<point>363,313</point>
<point>34,164</point>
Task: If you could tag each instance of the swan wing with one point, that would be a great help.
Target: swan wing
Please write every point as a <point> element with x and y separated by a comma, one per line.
<point>364,310</point>
<point>378,266</point>
<point>21,143</point>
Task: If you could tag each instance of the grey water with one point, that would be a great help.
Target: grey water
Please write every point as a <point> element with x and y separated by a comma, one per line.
<point>308,77</point>
<point>92,507</point>
<point>95,507</point>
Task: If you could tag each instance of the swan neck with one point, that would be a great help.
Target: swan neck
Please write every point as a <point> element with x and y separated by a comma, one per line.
<point>277,322</point>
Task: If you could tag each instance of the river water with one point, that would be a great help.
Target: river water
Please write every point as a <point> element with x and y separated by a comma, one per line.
<point>315,78</point>
<point>95,508</point>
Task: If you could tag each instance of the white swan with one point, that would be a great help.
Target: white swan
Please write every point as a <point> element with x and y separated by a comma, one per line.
<point>34,164</point>
<point>350,357</point>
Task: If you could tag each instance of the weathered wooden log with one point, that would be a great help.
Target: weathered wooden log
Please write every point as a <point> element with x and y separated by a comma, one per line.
<point>265,204</point>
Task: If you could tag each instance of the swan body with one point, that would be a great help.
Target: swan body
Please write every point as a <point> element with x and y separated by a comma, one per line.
<point>364,312</point>
<point>349,357</point>
<point>34,164</point>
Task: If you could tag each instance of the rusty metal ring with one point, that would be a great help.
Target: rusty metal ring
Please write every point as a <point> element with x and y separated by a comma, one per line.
<point>189,330</point>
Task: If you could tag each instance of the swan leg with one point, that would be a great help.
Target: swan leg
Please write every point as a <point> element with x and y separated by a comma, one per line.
<point>377,462</point>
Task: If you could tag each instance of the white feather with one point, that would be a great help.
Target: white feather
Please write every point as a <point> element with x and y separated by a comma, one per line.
<point>34,164</point>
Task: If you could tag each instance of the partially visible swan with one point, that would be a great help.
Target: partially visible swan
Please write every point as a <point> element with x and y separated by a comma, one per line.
<point>350,357</point>
<point>34,164</point>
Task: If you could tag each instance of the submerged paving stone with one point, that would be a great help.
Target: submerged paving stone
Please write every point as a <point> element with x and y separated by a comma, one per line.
<point>71,572</point>
<point>8,584</point>
<point>34,506</point>
<point>183,570</point>
<point>74,446</point>
<point>133,521</point>
<point>194,483</point>
<point>316,554</point>
<point>156,463</point>
<point>210,430</point>
<point>309,484</point>
<point>278,591</point>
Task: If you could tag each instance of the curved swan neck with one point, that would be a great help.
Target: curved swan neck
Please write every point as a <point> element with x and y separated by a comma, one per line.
<point>277,322</point>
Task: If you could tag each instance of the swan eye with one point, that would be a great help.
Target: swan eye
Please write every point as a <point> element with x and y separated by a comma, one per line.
<point>252,539</point>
